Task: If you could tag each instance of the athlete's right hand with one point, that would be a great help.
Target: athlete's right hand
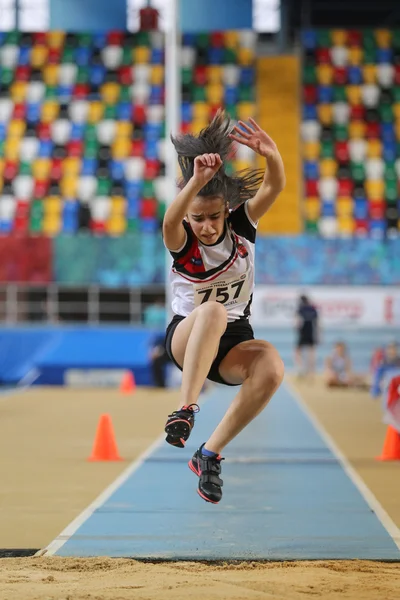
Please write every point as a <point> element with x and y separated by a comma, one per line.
<point>205,167</point>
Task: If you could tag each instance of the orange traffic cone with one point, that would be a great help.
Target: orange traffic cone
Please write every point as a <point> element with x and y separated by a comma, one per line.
<point>128,383</point>
<point>105,446</point>
<point>391,445</point>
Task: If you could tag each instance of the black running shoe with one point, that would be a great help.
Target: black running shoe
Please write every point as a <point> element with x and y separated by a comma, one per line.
<point>208,469</point>
<point>179,425</point>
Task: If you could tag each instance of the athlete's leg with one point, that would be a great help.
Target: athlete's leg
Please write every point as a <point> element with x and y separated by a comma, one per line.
<point>298,360</point>
<point>257,365</point>
<point>195,344</point>
<point>311,360</point>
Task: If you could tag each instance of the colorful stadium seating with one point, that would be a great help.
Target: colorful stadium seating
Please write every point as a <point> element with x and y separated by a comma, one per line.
<point>351,132</point>
<point>82,124</point>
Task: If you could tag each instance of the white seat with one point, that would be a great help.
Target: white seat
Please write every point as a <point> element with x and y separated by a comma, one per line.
<point>157,39</point>
<point>100,208</point>
<point>160,188</point>
<point>141,73</point>
<point>397,167</point>
<point>247,38</point>
<point>328,227</point>
<point>35,91</point>
<point>134,168</point>
<point>106,131</point>
<point>357,149</point>
<point>28,149</point>
<point>155,113</point>
<point>67,73</point>
<point>244,153</point>
<point>310,130</point>
<point>9,56</point>
<point>230,75</point>
<point>339,56</point>
<point>112,56</point>
<point>6,109</point>
<point>8,205</point>
<point>341,113</point>
<point>370,95</point>
<point>374,168</point>
<point>162,149</point>
<point>327,187</point>
<point>78,111</point>
<point>140,92</point>
<point>385,74</point>
<point>188,57</point>
<point>61,131</point>
<point>87,185</point>
<point>23,187</point>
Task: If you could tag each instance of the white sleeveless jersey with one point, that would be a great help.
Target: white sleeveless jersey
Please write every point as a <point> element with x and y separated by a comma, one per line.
<point>222,272</point>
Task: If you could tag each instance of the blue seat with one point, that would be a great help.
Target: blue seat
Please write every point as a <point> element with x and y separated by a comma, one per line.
<point>33,112</point>
<point>157,56</point>
<point>124,110</point>
<point>325,94</point>
<point>231,94</point>
<point>215,56</point>
<point>310,112</point>
<point>89,166</point>
<point>188,39</point>
<point>355,76</point>
<point>152,131</point>
<point>361,209</point>
<point>247,76</point>
<point>82,56</point>
<point>328,208</point>
<point>377,229</point>
<point>77,131</point>
<point>156,94</point>
<point>5,226</point>
<point>45,148</point>
<point>148,225</point>
<point>133,190</point>
<point>384,55</point>
<point>99,39</point>
<point>64,93</point>
<point>309,39</point>
<point>3,131</point>
<point>187,112</point>
<point>151,150</point>
<point>116,169</point>
<point>389,151</point>
<point>97,74</point>
<point>311,169</point>
<point>133,208</point>
<point>387,132</point>
<point>24,57</point>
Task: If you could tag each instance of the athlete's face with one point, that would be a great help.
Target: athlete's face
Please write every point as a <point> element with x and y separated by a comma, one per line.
<point>207,216</point>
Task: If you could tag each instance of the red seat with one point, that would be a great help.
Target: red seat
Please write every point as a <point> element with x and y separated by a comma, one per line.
<point>54,56</point>
<point>200,75</point>
<point>21,218</point>
<point>357,112</point>
<point>137,148</point>
<point>40,188</point>
<point>75,148</point>
<point>139,114</point>
<point>115,38</point>
<point>373,130</point>
<point>397,74</point>
<point>323,55</point>
<point>361,227</point>
<point>340,75</point>
<point>98,227</point>
<point>43,131</point>
<point>377,209</point>
<point>310,94</point>
<point>10,169</point>
<point>354,37</point>
<point>345,187</point>
<point>56,169</point>
<point>22,73</point>
<point>312,187</point>
<point>152,168</point>
<point>125,75</point>
<point>19,111</point>
<point>342,151</point>
<point>217,39</point>
<point>213,110</point>
<point>39,38</point>
<point>186,128</point>
<point>148,208</point>
<point>81,90</point>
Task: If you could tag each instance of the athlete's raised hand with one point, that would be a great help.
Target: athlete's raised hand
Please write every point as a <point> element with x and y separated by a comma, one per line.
<point>205,167</point>
<point>255,138</point>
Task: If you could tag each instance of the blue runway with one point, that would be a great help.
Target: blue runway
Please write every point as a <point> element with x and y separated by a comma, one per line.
<point>286,497</point>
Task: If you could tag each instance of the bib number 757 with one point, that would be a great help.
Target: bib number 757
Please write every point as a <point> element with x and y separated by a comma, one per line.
<point>231,291</point>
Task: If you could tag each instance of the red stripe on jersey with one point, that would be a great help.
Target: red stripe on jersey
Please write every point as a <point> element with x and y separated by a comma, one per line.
<point>192,261</point>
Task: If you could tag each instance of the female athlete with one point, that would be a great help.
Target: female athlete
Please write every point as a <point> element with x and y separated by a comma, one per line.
<point>210,231</point>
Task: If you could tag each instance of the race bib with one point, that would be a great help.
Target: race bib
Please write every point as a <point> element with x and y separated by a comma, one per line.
<point>228,292</point>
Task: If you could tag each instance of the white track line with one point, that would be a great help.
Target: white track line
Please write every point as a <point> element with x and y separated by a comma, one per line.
<point>369,497</point>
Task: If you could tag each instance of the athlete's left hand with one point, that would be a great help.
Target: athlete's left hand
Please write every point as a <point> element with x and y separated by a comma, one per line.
<point>255,138</point>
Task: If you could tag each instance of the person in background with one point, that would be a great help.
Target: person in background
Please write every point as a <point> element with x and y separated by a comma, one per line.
<point>338,369</point>
<point>307,328</point>
<point>390,363</point>
<point>159,359</point>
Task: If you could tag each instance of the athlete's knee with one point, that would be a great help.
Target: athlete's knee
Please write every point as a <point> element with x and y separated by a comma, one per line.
<point>270,367</point>
<point>214,314</point>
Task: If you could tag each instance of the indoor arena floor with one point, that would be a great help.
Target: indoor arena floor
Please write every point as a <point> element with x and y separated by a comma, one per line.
<point>302,491</point>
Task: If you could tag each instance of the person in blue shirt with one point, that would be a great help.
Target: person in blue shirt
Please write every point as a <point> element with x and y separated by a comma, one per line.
<point>307,330</point>
<point>390,365</point>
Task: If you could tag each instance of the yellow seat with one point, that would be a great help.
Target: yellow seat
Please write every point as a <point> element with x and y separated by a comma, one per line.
<point>198,125</point>
<point>38,56</point>
<point>116,225</point>
<point>374,148</point>
<point>50,75</point>
<point>231,39</point>
<point>328,167</point>
<point>201,110</point>
<point>41,168</point>
<point>214,74</point>
<point>339,37</point>
<point>1,184</point>
<point>71,166</point>
<point>245,110</point>
<point>69,186</point>
<point>369,73</point>
<point>121,148</point>
<point>52,225</point>
<point>215,93</point>
<point>157,75</point>
<point>110,92</point>
<point>357,129</point>
<point>141,55</point>
<point>118,206</point>
<point>355,55</point>
<point>16,128</point>
<point>1,167</point>
<point>240,164</point>
<point>375,189</point>
<point>311,150</point>
<point>52,206</point>
<point>312,208</point>
<point>123,129</point>
<point>95,111</point>
<point>325,113</point>
<point>245,56</point>
<point>353,93</point>
<point>344,207</point>
<point>18,91</point>
<point>346,225</point>
<point>383,38</point>
<point>396,110</point>
<point>50,109</point>
<point>397,129</point>
<point>324,74</point>
<point>11,148</point>
<point>55,39</point>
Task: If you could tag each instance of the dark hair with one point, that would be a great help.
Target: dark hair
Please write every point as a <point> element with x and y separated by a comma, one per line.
<point>214,139</point>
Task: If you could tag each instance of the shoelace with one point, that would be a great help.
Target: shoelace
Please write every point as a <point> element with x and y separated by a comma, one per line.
<point>194,408</point>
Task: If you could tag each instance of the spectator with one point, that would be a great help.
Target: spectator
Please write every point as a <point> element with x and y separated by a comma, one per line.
<point>159,359</point>
<point>338,369</point>
<point>389,363</point>
<point>307,335</point>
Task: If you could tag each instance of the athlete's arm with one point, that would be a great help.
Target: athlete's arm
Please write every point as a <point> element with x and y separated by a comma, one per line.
<point>205,167</point>
<point>274,179</point>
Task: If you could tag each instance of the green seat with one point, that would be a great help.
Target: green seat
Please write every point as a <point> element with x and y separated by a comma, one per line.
<point>390,172</point>
<point>396,39</point>
<point>91,149</point>
<point>203,41</point>
<point>369,56</point>
<point>36,216</point>
<point>2,148</point>
<point>90,132</point>
<point>231,110</point>
<point>339,93</point>
<point>309,74</point>
<point>25,168</point>
<point>246,93</point>
<point>368,41</point>
<point>148,189</point>
<point>84,39</point>
<point>110,111</point>
<point>391,190</point>
<point>386,113</point>
<point>229,170</point>
<point>324,38</point>
<point>51,92</point>
<point>67,55</point>
<point>132,225</point>
<point>311,226</point>
<point>13,37</point>
<point>357,171</point>
<point>327,149</point>
<point>161,209</point>
<point>340,132</point>
<point>186,75</point>
<point>82,75</point>
<point>124,93</point>
<point>199,94</point>
<point>398,149</point>
<point>126,56</point>
<point>229,56</point>
<point>396,93</point>
<point>6,76</point>
<point>103,186</point>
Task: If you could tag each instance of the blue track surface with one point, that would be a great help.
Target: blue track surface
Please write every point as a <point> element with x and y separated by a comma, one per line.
<point>285,497</point>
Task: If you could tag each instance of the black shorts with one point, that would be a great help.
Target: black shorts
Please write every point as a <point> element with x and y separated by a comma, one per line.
<point>305,338</point>
<point>236,332</point>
